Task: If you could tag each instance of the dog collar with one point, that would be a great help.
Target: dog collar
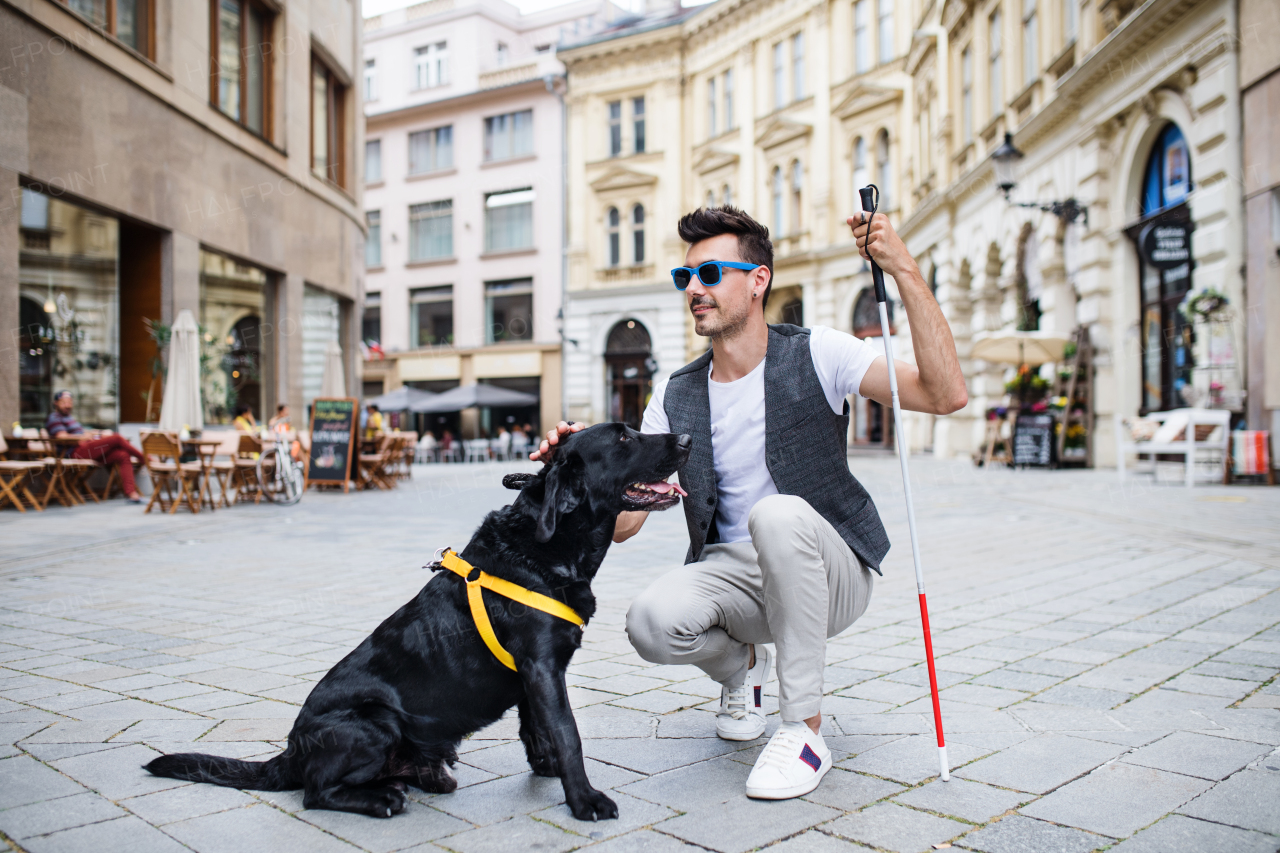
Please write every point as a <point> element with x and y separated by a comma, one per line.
<point>477,581</point>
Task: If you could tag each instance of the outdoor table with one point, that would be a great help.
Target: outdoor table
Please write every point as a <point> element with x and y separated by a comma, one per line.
<point>206,449</point>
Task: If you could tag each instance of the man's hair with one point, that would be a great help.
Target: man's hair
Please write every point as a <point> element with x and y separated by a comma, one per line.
<point>753,238</point>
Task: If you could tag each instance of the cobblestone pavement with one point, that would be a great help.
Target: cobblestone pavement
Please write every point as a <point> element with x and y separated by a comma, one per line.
<point>1108,657</point>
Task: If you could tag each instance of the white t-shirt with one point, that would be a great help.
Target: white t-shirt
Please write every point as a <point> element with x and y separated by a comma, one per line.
<point>737,423</point>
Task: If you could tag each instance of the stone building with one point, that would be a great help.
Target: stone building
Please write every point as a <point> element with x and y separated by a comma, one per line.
<point>176,155</point>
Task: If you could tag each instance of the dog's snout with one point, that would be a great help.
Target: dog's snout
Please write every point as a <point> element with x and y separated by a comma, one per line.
<point>684,442</point>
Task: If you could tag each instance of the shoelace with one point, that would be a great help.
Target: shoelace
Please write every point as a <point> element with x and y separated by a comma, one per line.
<point>782,749</point>
<point>736,702</point>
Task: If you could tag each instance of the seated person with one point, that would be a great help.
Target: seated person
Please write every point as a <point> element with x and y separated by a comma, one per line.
<point>280,423</point>
<point>373,425</point>
<point>111,450</point>
<point>245,421</point>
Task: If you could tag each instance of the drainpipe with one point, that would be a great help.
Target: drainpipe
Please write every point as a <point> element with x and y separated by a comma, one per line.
<point>550,81</point>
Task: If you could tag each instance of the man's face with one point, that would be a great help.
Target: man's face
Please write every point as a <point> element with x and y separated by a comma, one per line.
<point>723,309</point>
<point>63,404</point>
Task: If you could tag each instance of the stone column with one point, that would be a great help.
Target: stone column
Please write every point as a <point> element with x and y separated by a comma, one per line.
<point>179,275</point>
<point>953,435</point>
<point>289,343</point>
<point>1057,298</point>
<point>10,246</point>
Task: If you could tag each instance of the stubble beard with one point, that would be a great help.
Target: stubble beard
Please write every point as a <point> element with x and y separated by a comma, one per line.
<point>720,326</point>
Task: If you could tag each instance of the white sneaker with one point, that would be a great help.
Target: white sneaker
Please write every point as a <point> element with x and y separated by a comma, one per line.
<point>791,764</point>
<point>740,717</point>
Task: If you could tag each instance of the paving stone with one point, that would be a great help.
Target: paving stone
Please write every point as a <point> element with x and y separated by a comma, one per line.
<point>882,724</point>
<point>645,756</point>
<point>24,780</point>
<point>164,730</point>
<point>1163,699</point>
<point>71,731</point>
<point>257,827</point>
<point>519,833</point>
<point>1023,835</point>
<point>694,785</point>
<point>888,692</point>
<point>499,799</point>
<point>1178,834</point>
<point>186,802</point>
<point>117,773</point>
<point>122,835</point>
<point>1117,799</point>
<point>633,814</point>
<point>743,824</point>
<point>1083,697</point>
<point>845,790</point>
<point>41,818</point>
<point>657,701</point>
<point>1200,755</point>
<point>911,759</point>
<point>417,823</point>
<point>693,723</point>
<point>1247,800</point>
<point>644,841</point>
<point>49,752</point>
<point>893,827</point>
<point>1229,688</point>
<point>1040,764</point>
<point>1012,679</point>
<point>970,801</point>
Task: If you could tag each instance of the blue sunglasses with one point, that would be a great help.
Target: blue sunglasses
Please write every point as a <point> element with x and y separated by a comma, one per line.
<point>709,273</point>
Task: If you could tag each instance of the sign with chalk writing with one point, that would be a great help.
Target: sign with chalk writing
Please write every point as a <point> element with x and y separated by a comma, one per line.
<point>1166,245</point>
<point>1033,440</point>
<point>334,421</point>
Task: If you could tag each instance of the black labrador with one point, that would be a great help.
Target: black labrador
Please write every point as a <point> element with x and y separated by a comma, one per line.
<point>392,712</point>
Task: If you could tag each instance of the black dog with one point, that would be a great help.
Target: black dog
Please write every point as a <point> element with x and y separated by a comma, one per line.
<point>392,712</point>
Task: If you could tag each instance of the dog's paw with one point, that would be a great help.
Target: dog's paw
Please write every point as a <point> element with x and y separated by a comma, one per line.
<point>388,802</point>
<point>593,806</point>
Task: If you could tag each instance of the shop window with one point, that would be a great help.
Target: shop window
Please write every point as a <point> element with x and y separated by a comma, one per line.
<point>508,220</point>
<point>232,306</point>
<point>371,321</point>
<point>373,243</point>
<point>507,136</point>
<point>508,309</point>
<point>129,21</point>
<point>241,50</point>
<point>431,230</point>
<point>431,150</point>
<point>431,316</point>
<point>328,124</point>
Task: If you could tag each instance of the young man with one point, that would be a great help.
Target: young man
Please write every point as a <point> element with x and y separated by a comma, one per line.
<point>112,450</point>
<point>783,538</point>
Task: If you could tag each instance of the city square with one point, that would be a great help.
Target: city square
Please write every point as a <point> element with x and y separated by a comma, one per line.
<point>1107,656</point>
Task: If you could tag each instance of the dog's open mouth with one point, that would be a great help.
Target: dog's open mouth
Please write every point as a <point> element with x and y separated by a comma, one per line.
<point>651,496</point>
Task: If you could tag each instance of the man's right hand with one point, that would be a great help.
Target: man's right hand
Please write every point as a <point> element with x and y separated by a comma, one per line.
<point>547,447</point>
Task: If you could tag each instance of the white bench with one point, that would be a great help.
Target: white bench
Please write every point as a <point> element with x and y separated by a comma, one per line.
<point>1179,422</point>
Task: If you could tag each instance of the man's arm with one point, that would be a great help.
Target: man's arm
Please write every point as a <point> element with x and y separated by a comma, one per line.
<point>935,383</point>
<point>628,525</point>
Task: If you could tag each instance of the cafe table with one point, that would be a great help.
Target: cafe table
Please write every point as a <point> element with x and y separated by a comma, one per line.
<point>206,449</point>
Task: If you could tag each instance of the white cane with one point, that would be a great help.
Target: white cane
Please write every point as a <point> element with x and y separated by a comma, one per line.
<point>870,201</point>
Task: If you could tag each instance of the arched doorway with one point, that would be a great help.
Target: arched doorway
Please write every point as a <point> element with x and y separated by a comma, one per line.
<point>1161,237</point>
<point>872,422</point>
<point>629,359</point>
<point>36,345</point>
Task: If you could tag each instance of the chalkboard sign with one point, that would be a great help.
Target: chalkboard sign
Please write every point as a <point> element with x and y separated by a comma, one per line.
<point>334,421</point>
<point>1033,440</point>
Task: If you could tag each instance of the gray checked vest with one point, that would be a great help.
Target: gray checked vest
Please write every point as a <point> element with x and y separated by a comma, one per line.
<point>805,447</point>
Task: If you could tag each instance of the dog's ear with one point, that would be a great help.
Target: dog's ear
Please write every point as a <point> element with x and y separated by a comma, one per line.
<point>560,494</point>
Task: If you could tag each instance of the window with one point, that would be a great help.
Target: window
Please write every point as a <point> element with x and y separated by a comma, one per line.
<point>885,35</point>
<point>1030,64</point>
<point>797,66</point>
<point>373,244</point>
<point>776,188</point>
<point>370,80</point>
<point>508,310</point>
<point>727,197</point>
<point>504,53</point>
<point>885,178</point>
<point>128,20</point>
<point>711,199</point>
<point>637,124</point>
<point>637,234</point>
<point>371,322</point>
<point>711,107</point>
<point>728,99</point>
<point>862,36</point>
<point>431,230</point>
<point>1070,14</point>
<point>241,68</point>
<point>373,161</point>
<point>431,66</point>
<point>328,123</point>
<point>507,136</point>
<point>431,316</point>
<point>508,220</point>
<point>797,185</point>
<point>779,75</point>
<point>966,94</point>
<point>615,128</point>
<point>993,64</point>
<point>861,175</point>
<point>431,150</point>
<point>612,221</point>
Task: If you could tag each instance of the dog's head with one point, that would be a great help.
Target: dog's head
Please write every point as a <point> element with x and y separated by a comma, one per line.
<point>610,467</point>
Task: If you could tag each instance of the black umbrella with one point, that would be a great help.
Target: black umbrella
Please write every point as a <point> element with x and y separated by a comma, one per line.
<point>470,396</point>
<point>401,399</point>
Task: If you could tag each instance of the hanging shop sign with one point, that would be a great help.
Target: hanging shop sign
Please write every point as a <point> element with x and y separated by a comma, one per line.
<point>1166,245</point>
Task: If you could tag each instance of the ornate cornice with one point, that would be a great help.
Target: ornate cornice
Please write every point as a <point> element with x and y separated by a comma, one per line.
<point>780,129</point>
<point>620,178</point>
<point>862,96</point>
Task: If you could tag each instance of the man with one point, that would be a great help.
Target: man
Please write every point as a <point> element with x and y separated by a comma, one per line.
<point>783,538</point>
<point>111,450</point>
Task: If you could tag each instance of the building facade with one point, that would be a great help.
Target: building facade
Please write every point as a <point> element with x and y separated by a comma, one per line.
<point>463,198</point>
<point>179,154</point>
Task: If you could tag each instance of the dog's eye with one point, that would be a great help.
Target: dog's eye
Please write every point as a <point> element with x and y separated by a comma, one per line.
<point>624,437</point>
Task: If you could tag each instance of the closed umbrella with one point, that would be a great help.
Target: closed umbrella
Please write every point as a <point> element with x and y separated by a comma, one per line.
<point>401,399</point>
<point>1029,348</point>
<point>181,406</point>
<point>476,394</point>
<point>334,383</point>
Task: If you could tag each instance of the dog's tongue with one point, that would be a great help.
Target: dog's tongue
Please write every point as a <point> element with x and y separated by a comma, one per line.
<point>665,488</point>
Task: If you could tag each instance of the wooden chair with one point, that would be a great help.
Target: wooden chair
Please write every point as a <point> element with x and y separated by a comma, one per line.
<point>405,458</point>
<point>244,476</point>
<point>75,472</point>
<point>374,467</point>
<point>163,454</point>
<point>15,474</point>
<point>224,469</point>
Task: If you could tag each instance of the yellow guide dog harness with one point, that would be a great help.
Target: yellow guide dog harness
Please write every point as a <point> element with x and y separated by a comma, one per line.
<point>478,581</point>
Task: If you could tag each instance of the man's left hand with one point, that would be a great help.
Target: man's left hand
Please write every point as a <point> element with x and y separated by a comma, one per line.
<point>878,242</point>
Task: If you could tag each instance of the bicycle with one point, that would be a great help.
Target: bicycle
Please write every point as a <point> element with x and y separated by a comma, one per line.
<point>280,474</point>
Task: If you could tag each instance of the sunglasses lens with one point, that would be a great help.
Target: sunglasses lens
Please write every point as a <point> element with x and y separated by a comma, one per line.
<point>709,274</point>
<point>681,278</point>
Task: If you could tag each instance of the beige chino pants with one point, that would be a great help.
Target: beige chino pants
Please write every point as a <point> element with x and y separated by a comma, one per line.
<point>795,584</point>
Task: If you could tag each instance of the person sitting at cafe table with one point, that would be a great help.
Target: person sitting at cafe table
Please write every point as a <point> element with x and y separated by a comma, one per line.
<point>280,423</point>
<point>245,421</point>
<point>108,450</point>
<point>373,426</point>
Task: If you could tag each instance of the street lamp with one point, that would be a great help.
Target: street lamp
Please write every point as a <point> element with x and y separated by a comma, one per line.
<point>1005,159</point>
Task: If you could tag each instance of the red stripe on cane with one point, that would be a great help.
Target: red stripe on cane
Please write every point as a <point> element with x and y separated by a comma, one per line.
<point>933,675</point>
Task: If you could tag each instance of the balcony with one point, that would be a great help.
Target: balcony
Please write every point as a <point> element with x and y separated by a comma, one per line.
<point>522,72</point>
<point>634,274</point>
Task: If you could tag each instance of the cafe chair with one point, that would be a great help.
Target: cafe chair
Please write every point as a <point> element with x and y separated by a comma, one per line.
<point>15,474</point>
<point>244,476</point>
<point>1199,436</point>
<point>168,474</point>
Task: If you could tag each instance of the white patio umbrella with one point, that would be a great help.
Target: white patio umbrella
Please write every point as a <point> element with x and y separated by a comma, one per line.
<point>1030,348</point>
<point>181,406</point>
<point>334,383</point>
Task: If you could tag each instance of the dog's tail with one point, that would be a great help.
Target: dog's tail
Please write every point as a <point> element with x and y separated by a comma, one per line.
<point>276,774</point>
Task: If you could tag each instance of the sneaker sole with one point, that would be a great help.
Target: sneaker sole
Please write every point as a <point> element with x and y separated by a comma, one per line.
<point>792,792</point>
<point>737,737</point>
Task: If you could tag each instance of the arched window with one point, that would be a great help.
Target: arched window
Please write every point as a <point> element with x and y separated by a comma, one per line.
<point>727,196</point>
<point>711,199</point>
<point>637,233</point>
<point>866,314</point>
<point>884,176</point>
<point>1167,180</point>
<point>1029,282</point>
<point>628,354</point>
<point>776,208</point>
<point>797,203</point>
<point>615,239</point>
<point>861,174</point>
